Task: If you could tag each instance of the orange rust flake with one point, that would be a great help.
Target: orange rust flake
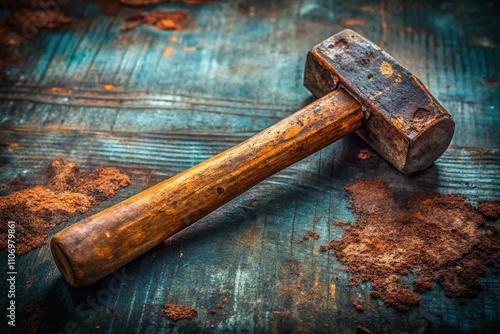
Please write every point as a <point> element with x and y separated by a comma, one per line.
<point>489,209</point>
<point>354,22</point>
<point>386,69</point>
<point>359,307</point>
<point>418,215</point>
<point>387,242</point>
<point>58,90</point>
<point>364,154</point>
<point>332,290</point>
<point>168,51</point>
<point>178,312</point>
<point>162,20</point>
<point>313,234</point>
<point>67,192</point>
<point>398,122</point>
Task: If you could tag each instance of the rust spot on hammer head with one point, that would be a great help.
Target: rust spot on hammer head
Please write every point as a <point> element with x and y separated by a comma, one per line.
<point>386,69</point>
<point>341,44</point>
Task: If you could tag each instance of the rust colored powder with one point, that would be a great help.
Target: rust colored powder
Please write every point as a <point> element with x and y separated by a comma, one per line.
<point>13,27</point>
<point>489,209</point>
<point>178,312</point>
<point>441,238</point>
<point>162,20</point>
<point>25,20</point>
<point>358,306</point>
<point>309,234</point>
<point>36,211</point>
<point>313,234</point>
<point>42,19</point>
<point>422,284</point>
<point>353,281</point>
<point>366,154</point>
<point>323,248</point>
<point>303,238</point>
<point>342,224</point>
<point>222,303</point>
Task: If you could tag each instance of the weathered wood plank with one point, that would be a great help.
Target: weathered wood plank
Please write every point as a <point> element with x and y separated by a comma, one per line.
<point>100,110</point>
<point>474,172</point>
<point>263,72</point>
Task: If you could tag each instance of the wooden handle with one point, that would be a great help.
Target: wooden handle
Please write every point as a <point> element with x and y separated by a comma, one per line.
<point>96,246</point>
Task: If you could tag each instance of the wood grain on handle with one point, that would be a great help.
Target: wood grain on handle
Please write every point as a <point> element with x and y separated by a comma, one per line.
<point>98,245</point>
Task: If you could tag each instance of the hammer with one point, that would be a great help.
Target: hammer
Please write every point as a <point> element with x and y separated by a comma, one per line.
<point>359,88</point>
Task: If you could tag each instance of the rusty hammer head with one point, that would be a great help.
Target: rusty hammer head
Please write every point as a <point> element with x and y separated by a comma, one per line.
<point>403,122</point>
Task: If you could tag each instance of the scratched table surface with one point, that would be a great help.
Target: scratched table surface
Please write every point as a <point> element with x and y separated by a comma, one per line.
<point>154,103</point>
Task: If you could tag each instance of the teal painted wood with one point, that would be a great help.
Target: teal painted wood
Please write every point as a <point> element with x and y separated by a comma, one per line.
<point>227,76</point>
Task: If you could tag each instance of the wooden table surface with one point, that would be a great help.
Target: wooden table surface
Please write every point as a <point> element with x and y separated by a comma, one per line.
<point>154,103</point>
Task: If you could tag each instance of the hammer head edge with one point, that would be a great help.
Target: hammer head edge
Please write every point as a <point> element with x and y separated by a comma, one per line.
<point>404,123</point>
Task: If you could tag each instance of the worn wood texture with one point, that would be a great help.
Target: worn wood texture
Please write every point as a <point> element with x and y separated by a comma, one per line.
<point>98,245</point>
<point>156,103</point>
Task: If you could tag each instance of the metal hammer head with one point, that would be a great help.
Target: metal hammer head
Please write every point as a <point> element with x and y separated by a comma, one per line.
<point>403,122</point>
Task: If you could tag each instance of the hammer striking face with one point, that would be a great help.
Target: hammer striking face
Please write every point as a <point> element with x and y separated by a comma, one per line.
<point>403,122</point>
<point>360,88</point>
